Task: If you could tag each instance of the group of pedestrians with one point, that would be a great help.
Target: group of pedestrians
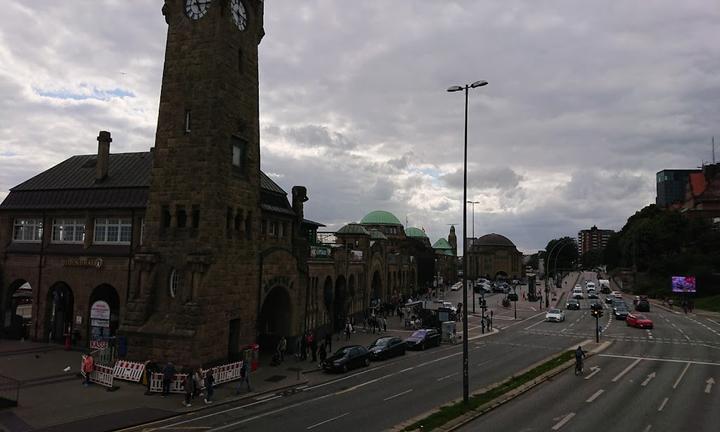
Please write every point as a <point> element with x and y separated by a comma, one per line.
<point>199,382</point>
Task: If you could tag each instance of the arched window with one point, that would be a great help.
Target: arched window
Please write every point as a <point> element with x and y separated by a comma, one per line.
<point>175,282</point>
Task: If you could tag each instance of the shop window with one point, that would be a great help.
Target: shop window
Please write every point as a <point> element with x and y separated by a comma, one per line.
<point>27,230</point>
<point>68,231</point>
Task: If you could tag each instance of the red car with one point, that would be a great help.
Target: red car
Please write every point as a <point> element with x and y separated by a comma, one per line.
<point>639,321</point>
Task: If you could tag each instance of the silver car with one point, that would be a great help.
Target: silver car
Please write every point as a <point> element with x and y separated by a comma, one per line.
<point>555,315</point>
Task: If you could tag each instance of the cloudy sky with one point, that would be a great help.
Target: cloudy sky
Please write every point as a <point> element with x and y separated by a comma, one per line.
<point>586,101</point>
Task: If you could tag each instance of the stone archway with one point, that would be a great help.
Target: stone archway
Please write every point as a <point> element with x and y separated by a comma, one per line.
<point>328,296</point>
<point>352,292</point>
<point>340,304</point>
<point>275,318</point>
<point>376,289</point>
<point>17,316</point>
<point>59,312</point>
<point>104,315</point>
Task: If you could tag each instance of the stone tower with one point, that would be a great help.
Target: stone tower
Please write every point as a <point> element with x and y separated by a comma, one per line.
<point>194,287</point>
<point>452,239</point>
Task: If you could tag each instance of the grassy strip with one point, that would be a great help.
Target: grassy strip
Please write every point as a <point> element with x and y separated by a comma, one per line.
<point>449,412</point>
<point>711,303</point>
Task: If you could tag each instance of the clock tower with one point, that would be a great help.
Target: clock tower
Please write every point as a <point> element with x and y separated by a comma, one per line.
<point>194,286</point>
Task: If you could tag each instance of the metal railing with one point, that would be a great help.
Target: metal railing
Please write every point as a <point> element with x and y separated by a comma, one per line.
<point>9,392</point>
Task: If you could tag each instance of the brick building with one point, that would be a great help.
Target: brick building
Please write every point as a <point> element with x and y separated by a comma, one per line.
<point>593,239</point>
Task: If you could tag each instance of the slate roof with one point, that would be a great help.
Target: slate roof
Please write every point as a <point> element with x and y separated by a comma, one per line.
<point>353,229</point>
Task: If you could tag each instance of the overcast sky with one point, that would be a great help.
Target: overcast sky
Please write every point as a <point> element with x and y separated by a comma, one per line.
<point>586,101</point>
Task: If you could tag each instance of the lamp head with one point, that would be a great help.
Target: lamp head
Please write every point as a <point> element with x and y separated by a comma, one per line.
<point>478,84</point>
<point>454,88</point>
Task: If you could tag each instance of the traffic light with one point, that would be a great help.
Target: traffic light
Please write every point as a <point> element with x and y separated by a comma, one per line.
<point>597,313</point>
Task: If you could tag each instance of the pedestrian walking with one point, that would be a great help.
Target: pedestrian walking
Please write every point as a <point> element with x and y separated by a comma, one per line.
<point>168,375</point>
<point>189,387</point>
<point>244,378</point>
<point>322,353</point>
<point>303,347</point>
<point>282,347</point>
<point>313,347</point>
<point>348,328</point>
<point>209,382</point>
<point>197,382</point>
<point>88,366</point>
<point>328,341</point>
<point>385,325</point>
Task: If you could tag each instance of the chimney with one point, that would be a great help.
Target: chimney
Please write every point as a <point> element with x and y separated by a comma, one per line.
<point>103,156</point>
<point>299,196</point>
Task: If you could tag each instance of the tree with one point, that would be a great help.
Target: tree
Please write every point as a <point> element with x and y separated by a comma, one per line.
<point>563,254</point>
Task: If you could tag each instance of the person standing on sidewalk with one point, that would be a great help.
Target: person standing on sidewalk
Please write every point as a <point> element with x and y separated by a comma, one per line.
<point>209,382</point>
<point>197,382</point>
<point>168,375</point>
<point>88,366</point>
<point>189,387</point>
<point>313,347</point>
<point>282,347</point>
<point>244,378</point>
<point>323,354</point>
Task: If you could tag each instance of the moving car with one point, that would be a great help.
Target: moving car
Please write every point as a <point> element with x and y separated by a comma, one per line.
<point>423,338</point>
<point>642,306</point>
<point>639,321</point>
<point>609,299</point>
<point>577,293</point>
<point>456,287</point>
<point>346,358</point>
<point>616,294</point>
<point>590,285</point>
<point>554,315</point>
<point>386,347</point>
<point>572,304</point>
<point>592,295</point>
<point>621,312</point>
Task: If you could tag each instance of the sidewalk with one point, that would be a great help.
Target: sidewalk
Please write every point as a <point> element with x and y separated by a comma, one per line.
<point>53,399</point>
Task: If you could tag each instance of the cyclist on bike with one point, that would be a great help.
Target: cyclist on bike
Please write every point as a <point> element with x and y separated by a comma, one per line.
<point>579,356</point>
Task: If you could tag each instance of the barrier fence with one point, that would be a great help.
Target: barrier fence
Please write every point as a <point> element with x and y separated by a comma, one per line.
<point>102,375</point>
<point>222,374</point>
<point>128,371</point>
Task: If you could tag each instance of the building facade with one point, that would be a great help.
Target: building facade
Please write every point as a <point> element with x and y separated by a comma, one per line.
<point>671,185</point>
<point>593,239</point>
<point>494,256</point>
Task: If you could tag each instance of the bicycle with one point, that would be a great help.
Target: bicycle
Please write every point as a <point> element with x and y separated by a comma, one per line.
<point>578,367</point>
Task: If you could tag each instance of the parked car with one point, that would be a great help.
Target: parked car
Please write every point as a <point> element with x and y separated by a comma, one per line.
<point>577,293</point>
<point>423,338</point>
<point>346,358</point>
<point>642,306</point>
<point>639,321</point>
<point>572,304</point>
<point>386,347</point>
<point>554,315</point>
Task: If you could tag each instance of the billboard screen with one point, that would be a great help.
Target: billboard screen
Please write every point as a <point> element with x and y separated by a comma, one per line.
<point>683,284</point>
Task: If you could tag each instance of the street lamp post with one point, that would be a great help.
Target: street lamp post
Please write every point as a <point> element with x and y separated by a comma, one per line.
<point>549,267</point>
<point>473,237</point>
<point>466,388</point>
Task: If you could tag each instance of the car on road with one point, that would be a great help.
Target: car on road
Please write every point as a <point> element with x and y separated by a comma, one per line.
<point>577,293</point>
<point>639,321</point>
<point>346,358</point>
<point>386,347</point>
<point>621,312</point>
<point>609,299</point>
<point>590,285</point>
<point>616,294</point>
<point>555,315</point>
<point>456,286</point>
<point>578,287</point>
<point>423,338</point>
<point>592,295</point>
<point>572,304</point>
<point>642,306</point>
<point>595,304</point>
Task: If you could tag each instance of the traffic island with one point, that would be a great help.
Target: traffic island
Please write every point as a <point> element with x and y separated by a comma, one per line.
<point>452,416</point>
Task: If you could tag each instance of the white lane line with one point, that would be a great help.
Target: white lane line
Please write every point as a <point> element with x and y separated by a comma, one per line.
<point>562,422</point>
<point>218,413</point>
<point>626,370</point>
<point>326,421</point>
<point>648,379</point>
<point>447,376</point>
<point>662,405</point>
<point>263,397</point>
<point>533,325</point>
<point>647,429</point>
<point>661,359</point>
<point>398,395</point>
<point>526,319</point>
<point>595,396</point>
<point>594,370</point>
<point>677,381</point>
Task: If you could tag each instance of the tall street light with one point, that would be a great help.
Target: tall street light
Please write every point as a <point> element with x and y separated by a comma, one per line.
<point>472,203</point>
<point>466,391</point>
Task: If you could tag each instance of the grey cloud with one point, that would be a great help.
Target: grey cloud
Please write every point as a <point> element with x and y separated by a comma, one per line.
<point>501,178</point>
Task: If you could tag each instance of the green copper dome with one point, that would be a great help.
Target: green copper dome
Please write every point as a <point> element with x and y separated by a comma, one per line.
<point>415,232</point>
<point>377,235</point>
<point>442,244</point>
<point>353,229</point>
<point>380,217</point>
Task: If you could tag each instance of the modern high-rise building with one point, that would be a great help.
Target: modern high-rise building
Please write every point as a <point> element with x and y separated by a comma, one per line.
<point>592,239</point>
<point>671,185</point>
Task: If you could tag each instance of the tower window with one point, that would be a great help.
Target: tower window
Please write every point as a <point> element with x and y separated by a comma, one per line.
<point>166,216</point>
<point>195,216</point>
<point>238,220</point>
<point>238,154</point>
<point>181,217</point>
<point>248,226</point>
<point>188,121</point>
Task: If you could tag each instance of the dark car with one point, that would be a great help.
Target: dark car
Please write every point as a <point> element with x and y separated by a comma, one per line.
<point>609,299</point>
<point>621,312</point>
<point>592,295</point>
<point>572,304</point>
<point>386,347</point>
<point>346,358</point>
<point>422,339</point>
<point>642,306</point>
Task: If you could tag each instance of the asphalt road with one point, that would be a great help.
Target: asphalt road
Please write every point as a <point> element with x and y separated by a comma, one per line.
<point>390,392</point>
<point>662,379</point>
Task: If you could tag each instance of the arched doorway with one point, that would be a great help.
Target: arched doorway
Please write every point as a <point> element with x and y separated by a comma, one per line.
<point>104,315</point>
<point>59,312</point>
<point>275,318</point>
<point>339,304</point>
<point>17,316</point>
<point>376,288</point>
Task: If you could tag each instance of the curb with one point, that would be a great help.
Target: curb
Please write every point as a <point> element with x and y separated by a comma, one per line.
<point>466,418</point>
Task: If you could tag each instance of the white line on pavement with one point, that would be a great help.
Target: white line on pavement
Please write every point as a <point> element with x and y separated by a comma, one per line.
<point>662,405</point>
<point>660,359</point>
<point>217,413</point>
<point>626,370</point>
<point>398,395</point>
<point>594,370</point>
<point>647,429</point>
<point>562,422</point>
<point>595,396</point>
<point>447,376</point>
<point>533,325</point>
<point>326,421</point>
<point>681,376</point>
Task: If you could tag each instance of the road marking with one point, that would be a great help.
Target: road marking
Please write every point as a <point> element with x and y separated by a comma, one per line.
<point>447,376</point>
<point>594,370</point>
<point>661,359</point>
<point>648,379</point>
<point>326,421</point>
<point>595,396</point>
<point>523,320</point>
<point>263,397</point>
<point>709,385</point>
<point>647,429</point>
<point>398,395</point>
<point>217,413</point>
<point>562,422</point>
<point>662,405</point>
<point>627,369</point>
<point>681,376</point>
<point>533,325</point>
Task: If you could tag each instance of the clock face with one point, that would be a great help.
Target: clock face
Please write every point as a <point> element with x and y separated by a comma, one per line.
<point>239,15</point>
<point>196,9</point>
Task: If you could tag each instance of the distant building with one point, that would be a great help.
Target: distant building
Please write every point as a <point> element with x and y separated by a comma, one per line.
<point>593,239</point>
<point>671,185</point>
<point>702,193</point>
<point>492,256</point>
